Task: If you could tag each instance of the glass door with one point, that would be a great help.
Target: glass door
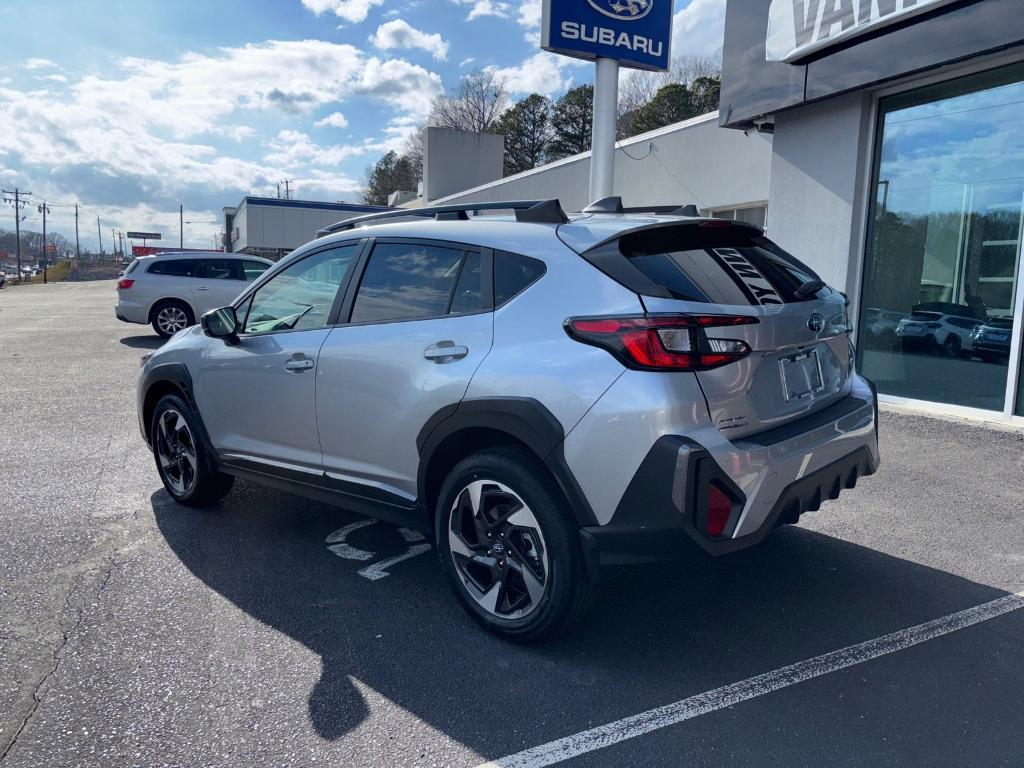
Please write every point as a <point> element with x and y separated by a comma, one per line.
<point>940,307</point>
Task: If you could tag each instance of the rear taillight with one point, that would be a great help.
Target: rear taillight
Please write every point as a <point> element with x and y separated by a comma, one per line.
<point>663,342</point>
<point>719,510</point>
<point>124,283</point>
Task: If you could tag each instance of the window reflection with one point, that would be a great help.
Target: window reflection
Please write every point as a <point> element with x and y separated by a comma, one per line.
<point>944,249</point>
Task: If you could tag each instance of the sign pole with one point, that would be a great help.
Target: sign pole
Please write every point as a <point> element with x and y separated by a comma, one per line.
<point>606,102</point>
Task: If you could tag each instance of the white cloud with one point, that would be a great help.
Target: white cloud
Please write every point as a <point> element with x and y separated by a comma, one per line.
<point>699,28</point>
<point>541,73</point>
<point>334,120</point>
<point>481,8</point>
<point>39,64</point>
<point>291,148</point>
<point>466,62</point>
<point>530,13</point>
<point>54,78</point>
<point>400,34</point>
<point>350,10</point>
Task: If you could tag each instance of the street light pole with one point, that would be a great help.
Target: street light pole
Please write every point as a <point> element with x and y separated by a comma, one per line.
<point>181,227</point>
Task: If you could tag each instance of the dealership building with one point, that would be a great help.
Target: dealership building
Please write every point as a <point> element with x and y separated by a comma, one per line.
<point>897,171</point>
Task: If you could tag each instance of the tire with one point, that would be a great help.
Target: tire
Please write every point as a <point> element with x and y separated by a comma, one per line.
<point>523,579</point>
<point>170,316</point>
<point>182,461</point>
<point>951,346</point>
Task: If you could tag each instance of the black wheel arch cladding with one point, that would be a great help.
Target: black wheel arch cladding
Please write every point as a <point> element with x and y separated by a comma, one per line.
<point>525,420</point>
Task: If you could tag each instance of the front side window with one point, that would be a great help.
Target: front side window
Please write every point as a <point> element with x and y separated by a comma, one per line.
<point>408,281</point>
<point>301,296</point>
<point>177,268</point>
<point>253,269</point>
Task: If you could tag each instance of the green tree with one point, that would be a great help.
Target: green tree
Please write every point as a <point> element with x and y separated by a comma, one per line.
<point>391,173</point>
<point>527,129</point>
<point>704,94</point>
<point>571,122</point>
<point>672,103</point>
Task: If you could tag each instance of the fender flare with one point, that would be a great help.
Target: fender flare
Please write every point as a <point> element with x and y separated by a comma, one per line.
<point>522,418</point>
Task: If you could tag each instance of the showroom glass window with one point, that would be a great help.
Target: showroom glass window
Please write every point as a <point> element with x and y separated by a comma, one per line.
<point>943,252</point>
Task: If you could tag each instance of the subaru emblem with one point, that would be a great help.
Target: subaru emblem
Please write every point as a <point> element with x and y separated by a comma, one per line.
<point>623,9</point>
<point>815,322</point>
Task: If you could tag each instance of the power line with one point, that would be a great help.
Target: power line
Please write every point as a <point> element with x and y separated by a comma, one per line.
<point>18,204</point>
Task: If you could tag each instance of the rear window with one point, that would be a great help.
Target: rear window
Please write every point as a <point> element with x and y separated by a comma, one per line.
<point>925,317</point>
<point>177,268</point>
<point>720,265</point>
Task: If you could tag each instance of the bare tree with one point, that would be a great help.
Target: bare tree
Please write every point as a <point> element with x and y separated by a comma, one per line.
<point>413,152</point>
<point>637,89</point>
<point>474,105</point>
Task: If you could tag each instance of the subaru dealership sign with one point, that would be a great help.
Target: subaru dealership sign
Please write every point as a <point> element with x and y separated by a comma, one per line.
<point>797,28</point>
<point>636,33</point>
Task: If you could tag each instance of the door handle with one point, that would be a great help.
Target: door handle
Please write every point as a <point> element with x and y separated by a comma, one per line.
<point>202,288</point>
<point>298,364</point>
<point>445,351</point>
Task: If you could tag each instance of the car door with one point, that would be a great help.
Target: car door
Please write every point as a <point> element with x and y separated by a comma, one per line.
<point>217,283</point>
<point>257,397</point>
<point>420,323</point>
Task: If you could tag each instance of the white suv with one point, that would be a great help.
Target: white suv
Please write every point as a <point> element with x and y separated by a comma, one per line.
<point>171,290</point>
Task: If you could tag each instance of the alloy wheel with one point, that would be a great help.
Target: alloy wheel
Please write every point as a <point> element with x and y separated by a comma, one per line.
<point>170,320</point>
<point>176,450</point>
<point>498,549</point>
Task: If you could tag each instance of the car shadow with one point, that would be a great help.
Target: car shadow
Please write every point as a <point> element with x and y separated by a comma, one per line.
<point>658,634</point>
<point>143,342</point>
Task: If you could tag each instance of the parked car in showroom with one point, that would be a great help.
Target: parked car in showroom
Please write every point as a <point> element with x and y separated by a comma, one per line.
<point>991,341</point>
<point>543,395</point>
<point>171,290</point>
<point>938,327</point>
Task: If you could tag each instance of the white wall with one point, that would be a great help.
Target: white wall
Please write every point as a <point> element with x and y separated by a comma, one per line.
<point>819,166</point>
<point>285,228</point>
<point>690,162</point>
<point>456,160</point>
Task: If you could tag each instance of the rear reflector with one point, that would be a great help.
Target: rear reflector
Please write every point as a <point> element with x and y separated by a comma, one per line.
<point>719,510</point>
<point>125,283</point>
<point>663,342</point>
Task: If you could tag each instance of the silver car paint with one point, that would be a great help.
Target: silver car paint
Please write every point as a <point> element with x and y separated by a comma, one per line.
<point>612,416</point>
<point>375,391</point>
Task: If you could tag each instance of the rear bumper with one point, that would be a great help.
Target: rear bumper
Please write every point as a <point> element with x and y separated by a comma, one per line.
<point>131,312</point>
<point>779,476</point>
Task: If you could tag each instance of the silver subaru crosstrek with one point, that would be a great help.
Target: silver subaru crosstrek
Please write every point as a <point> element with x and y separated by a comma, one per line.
<point>543,394</point>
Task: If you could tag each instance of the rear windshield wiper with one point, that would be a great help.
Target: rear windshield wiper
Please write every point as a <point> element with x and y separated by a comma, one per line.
<point>809,289</point>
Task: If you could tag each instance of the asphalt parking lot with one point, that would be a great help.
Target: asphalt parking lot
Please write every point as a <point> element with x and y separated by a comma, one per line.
<point>279,632</point>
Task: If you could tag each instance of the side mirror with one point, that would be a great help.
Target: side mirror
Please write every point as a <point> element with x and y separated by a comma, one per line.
<point>221,324</point>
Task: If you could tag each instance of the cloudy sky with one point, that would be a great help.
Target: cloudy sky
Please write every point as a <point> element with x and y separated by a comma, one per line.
<point>130,107</point>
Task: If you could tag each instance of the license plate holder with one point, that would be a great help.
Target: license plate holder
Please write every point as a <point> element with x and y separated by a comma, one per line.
<point>801,375</point>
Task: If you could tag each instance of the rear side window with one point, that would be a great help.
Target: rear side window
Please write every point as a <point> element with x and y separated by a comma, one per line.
<point>177,268</point>
<point>513,274</point>
<point>406,281</point>
<point>131,266</point>
<point>220,269</point>
<point>720,265</point>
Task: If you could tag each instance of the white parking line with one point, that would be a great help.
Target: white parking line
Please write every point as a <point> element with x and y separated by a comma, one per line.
<point>726,696</point>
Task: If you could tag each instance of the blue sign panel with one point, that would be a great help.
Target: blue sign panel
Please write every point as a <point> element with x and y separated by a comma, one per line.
<point>636,32</point>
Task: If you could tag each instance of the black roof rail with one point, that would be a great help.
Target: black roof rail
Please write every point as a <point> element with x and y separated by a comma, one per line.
<point>614,205</point>
<point>547,212</point>
<point>460,211</point>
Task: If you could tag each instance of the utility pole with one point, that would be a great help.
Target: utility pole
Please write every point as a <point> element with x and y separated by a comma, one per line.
<point>44,209</point>
<point>99,232</point>
<point>181,227</point>
<point>18,204</point>
<point>287,189</point>
<point>78,252</point>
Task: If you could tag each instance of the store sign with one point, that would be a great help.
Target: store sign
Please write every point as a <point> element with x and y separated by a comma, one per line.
<point>797,28</point>
<point>638,33</point>
<point>143,235</point>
